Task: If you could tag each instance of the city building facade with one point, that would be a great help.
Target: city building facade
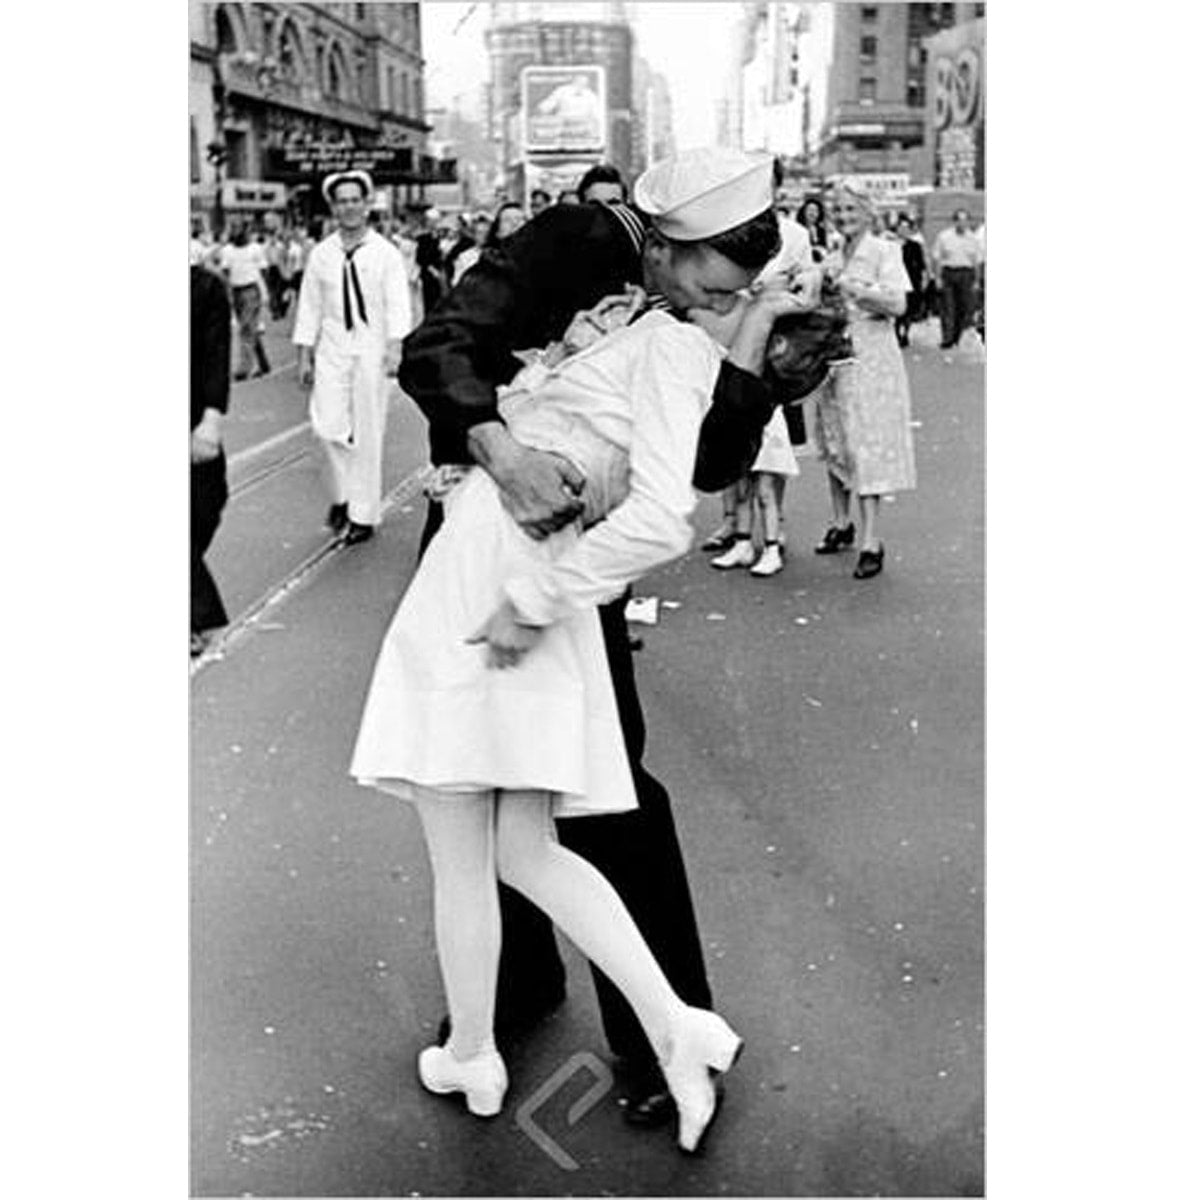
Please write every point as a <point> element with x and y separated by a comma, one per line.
<point>568,90</point>
<point>279,94</point>
<point>955,113</point>
<point>874,80</point>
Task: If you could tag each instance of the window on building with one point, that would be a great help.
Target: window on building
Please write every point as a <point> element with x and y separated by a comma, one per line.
<point>360,12</point>
<point>321,68</point>
<point>866,90</point>
<point>867,48</point>
<point>946,15</point>
<point>236,166</point>
<point>870,12</point>
<point>194,146</point>
<point>337,75</point>
<point>418,100</point>
<point>404,98</point>
<point>289,51</point>
<point>915,93</point>
<point>391,89</point>
<point>979,10</point>
<point>226,39</point>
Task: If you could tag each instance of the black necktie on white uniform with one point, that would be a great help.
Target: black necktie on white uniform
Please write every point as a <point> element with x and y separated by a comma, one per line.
<point>350,279</point>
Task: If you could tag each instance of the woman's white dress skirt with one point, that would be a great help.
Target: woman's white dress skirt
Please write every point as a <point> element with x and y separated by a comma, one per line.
<point>437,716</point>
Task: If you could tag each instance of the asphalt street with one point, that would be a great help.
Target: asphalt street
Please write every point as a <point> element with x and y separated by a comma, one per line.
<point>823,742</point>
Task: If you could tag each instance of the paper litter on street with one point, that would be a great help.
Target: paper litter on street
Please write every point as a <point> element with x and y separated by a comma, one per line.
<point>642,610</point>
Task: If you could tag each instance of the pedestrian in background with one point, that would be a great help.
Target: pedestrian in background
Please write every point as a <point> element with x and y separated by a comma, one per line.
<point>981,241</point>
<point>602,184</point>
<point>956,260</point>
<point>466,252</point>
<point>862,418</point>
<point>292,267</point>
<point>539,199</point>
<point>912,252</point>
<point>244,265</point>
<point>354,310</point>
<point>510,216</point>
<point>273,252</point>
<point>210,354</point>
<point>429,260</point>
<point>812,217</point>
<point>761,492</point>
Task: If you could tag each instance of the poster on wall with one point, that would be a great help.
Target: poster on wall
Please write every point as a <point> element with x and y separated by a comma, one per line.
<point>563,109</point>
<point>958,117</point>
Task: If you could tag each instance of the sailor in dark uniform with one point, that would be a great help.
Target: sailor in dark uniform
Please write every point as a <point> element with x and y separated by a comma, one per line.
<point>522,295</point>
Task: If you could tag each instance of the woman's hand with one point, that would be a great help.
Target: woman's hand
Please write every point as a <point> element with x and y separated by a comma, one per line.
<point>508,641</point>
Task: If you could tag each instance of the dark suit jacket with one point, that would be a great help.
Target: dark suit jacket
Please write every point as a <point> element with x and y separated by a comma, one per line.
<point>210,343</point>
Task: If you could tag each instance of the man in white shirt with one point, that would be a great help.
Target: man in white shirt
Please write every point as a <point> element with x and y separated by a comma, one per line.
<point>956,260</point>
<point>352,313</point>
<point>244,264</point>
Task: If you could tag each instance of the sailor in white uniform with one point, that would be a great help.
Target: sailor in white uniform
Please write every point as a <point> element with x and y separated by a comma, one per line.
<point>353,311</point>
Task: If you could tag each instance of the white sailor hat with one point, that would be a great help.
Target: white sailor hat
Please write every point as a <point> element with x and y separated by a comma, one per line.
<point>331,181</point>
<point>700,193</point>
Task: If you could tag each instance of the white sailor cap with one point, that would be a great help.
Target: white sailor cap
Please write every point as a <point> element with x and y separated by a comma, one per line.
<point>331,181</point>
<point>700,193</point>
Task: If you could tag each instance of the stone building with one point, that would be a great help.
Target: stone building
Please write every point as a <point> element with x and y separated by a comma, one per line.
<point>636,100</point>
<point>872,76</point>
<point>281,93</point>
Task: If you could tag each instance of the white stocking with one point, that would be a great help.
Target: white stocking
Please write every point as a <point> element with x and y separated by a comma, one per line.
<point>583,904</point>
<point>460,834</point>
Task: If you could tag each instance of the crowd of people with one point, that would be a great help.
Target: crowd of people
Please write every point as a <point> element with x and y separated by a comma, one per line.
<point>585,370</point>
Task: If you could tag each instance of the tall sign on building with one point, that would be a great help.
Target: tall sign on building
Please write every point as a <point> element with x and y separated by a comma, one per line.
<point>561,92</point>
<point>955,116</point>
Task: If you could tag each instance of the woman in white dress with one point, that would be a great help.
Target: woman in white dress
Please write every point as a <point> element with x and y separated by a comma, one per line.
<point>862,417</point>
<point>492,708</point>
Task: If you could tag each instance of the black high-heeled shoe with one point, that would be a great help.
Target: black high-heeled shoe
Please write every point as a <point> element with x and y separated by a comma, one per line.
<point>836,540</point>
<point>870,563</point>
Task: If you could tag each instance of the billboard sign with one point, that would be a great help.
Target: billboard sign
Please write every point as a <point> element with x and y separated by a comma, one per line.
<point>888,190</point>
<point>302,160</point>
<point>564,109</point>
<point>253,194</point>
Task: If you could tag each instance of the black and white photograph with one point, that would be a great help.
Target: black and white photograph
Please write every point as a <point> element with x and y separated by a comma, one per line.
<point>586,693</point>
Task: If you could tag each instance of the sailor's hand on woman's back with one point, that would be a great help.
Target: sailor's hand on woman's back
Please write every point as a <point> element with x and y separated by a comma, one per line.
<point>539,490</point>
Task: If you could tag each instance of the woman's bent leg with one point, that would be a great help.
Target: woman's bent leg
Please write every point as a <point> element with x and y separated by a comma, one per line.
<point>460,835</point>
<point>584,905</point>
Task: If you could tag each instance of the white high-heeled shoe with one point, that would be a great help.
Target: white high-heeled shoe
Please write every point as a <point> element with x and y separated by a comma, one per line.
<point>482,1079</point>
<point>700,1047</point>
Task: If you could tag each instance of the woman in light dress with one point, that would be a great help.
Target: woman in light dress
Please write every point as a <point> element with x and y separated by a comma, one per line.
<point>492,708</point>
<point>862,425</point>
